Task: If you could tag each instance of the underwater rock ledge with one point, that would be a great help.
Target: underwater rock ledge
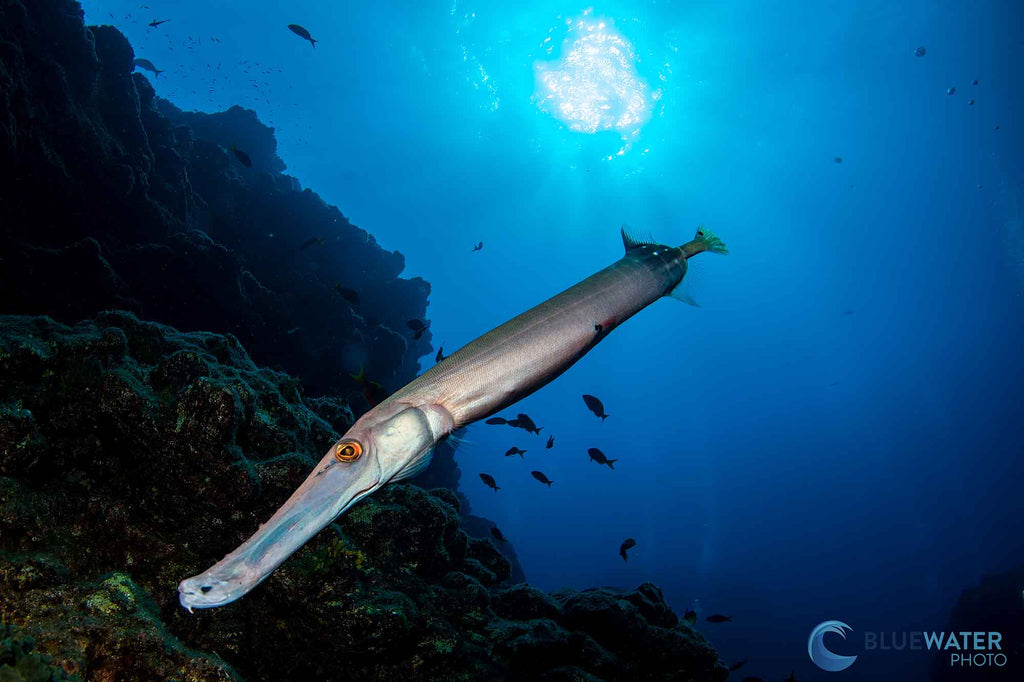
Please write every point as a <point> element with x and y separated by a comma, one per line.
<point>113,198</point>
<point>992,605</point>
<point>133,454</point>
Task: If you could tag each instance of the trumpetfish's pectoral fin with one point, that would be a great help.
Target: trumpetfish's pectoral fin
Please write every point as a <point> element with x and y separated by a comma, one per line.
<point>682,293</point>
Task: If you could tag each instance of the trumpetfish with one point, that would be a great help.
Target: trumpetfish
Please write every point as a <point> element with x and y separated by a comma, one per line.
<point>395,439</point>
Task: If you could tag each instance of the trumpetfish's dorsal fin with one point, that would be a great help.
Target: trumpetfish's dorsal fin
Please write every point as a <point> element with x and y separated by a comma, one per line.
<point>631,241</point>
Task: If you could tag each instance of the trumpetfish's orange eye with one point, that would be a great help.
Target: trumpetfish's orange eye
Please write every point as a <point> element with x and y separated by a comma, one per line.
<point>348,451</point>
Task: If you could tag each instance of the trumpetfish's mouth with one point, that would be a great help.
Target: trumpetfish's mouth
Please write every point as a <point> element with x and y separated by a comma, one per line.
<point>333,487</point>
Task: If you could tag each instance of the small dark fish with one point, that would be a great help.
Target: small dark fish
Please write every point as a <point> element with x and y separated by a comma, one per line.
<point>737,665</point>
<point>293,330</point>
<point>974,82</point>
<point>489,482</point>
<point>834,383</point>
<point>627,544</point>
<point>440,354</point>
<point>147,65</point>
<point>847,312</point>
<point>951,91</point>
<point>524,422</point>
<point>302,33</point>
<point>478,246</point>
<point>514,423</point>
<point>313,241</point>
<point>496,534</point>
<point>718,618</point>
<point>496,420</point>
<point>996,127</point>
<point>691,617</point>
<point>541,477</point>
<point>598,456</point>
<point>373,391</point>
<point>838,159</point>
<point>418,326</point>
<point>242,157</point>
<point>511,452</point>
<point>595,406</point>
<point>920,52</point>
<point>551,442</point>
<point>155,23</point>
<point>349,295</point>
<point>792,677</point>
<point>970,103</point>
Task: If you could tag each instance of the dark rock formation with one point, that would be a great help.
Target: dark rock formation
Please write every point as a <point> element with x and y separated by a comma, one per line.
<point>479,527</point>
<point>444,472</point>
<point>996,604</point>
<point>133,455</point>
<point>18,661</point>
<point>113,199</point>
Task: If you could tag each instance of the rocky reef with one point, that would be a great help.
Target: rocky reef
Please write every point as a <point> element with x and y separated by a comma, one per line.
<point>133,455</point>
<point>114,199</point>
<point>995,604</point>
<point>20,663</point>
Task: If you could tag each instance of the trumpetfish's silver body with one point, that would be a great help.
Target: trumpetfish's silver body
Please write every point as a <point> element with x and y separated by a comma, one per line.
<point>394,440</point>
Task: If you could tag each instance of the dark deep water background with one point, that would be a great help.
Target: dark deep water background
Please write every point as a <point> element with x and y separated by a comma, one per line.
<point>836,433</point>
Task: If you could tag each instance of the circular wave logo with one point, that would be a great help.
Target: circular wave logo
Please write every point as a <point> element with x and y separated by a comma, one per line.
<point>822,657</point>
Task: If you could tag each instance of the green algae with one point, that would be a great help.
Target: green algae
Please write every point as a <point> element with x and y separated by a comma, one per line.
<point>337,555</point>
<point>19,662</point>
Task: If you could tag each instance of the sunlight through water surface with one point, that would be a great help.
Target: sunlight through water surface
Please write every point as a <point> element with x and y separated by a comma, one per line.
<point>594,86</point>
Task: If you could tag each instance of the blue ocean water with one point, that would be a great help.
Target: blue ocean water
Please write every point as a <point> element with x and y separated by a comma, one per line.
<point>836,432</point>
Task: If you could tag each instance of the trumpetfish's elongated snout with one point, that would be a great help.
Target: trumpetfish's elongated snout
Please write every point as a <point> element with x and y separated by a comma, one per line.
<point>390,442</point>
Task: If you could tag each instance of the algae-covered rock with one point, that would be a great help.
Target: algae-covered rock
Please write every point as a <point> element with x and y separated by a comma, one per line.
<point>20,663</point>
<point>109,629</point>
<point>522,602</point>
<point>133,455</point>
<point>633,633</point>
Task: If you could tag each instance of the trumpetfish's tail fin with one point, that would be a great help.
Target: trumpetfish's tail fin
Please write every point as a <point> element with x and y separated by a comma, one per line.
<point>704,240</point>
